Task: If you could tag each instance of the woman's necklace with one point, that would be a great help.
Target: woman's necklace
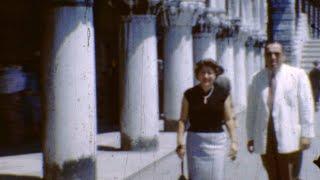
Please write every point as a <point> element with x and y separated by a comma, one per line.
<point>205,98</point>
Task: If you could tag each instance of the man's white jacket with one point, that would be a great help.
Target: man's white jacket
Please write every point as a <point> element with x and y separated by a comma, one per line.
<point>293,109</point>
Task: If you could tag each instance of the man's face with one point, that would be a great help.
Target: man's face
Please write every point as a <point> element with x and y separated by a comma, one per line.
<point>274,56</point>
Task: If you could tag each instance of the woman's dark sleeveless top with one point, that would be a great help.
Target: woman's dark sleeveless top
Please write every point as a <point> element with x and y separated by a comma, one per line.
<point>207,117</point>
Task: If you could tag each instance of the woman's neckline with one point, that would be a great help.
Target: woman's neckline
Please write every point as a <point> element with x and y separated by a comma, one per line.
<point>203,92</point>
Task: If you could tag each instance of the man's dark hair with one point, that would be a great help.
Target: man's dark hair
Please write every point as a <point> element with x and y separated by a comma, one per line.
<point>315,63</point>
<point>272,42</point>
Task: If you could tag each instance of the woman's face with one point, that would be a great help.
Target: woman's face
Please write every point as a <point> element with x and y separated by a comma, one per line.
<point>206,76</point>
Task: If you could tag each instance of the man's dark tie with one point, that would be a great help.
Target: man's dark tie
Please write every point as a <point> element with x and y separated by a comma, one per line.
<point>272,88</point>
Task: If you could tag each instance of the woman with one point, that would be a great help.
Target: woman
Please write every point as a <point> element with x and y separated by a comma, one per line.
<point>208,107</point>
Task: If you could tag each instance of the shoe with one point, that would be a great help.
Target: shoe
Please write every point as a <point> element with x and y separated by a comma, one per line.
<point>317,162</point>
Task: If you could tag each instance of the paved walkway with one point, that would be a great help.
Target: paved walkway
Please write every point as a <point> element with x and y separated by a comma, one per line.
<point>249,167</point>
<point>113,164</point>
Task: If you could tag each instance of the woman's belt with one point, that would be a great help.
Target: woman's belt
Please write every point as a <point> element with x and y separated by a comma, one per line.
<point>206,130</point>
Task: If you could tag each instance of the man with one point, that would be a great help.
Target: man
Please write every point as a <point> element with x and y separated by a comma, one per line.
<point>314,77</point>
<point>280,115</point>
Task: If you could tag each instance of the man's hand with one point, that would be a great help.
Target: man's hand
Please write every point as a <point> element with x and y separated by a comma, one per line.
<point>305,143</point>
<point>250,146</point>
<point>181,150</point>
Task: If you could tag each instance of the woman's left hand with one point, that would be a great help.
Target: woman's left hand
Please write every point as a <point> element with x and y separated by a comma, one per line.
<point>233,151</point>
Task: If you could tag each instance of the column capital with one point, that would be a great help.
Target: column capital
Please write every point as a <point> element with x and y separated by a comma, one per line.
<point>242,34</point>
<point>245,30</point>
<point>261,40</point>
<point>229,28</point>
<point>236,25</point>
<point>250,41</point>
<point>134,3</point>
<point>217,11</point>
<point>208,22</point>
<point>140,19</point>
<point>253,36</point>
<point>129,7</point>
<point>217,6</point>
<point>182,13</point>
<point>72,3</point>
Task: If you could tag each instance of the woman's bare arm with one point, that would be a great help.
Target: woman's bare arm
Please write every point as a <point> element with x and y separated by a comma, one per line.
<point>229,118</point>
<point>181,122</point>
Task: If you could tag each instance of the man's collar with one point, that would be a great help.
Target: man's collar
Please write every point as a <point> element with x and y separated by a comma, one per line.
<point>276,71</point>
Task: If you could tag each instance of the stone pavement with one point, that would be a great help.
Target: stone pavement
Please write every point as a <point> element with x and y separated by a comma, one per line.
<point>248,166</point>
<point>163,164</point>
<point>112,163</point>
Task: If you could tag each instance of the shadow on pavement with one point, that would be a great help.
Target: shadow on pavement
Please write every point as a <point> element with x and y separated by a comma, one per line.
<point>15,177</point>
<point>108,148</point>
<point>26,148</point>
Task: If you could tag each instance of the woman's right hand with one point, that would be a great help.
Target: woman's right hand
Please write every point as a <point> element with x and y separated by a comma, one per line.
<point>181,150</point>
<point>233,151</point>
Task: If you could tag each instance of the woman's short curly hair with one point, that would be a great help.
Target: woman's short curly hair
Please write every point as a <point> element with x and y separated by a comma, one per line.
<point>208,63</point>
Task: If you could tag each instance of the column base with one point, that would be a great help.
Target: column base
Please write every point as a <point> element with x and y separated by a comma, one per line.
<point>239,108</point>
<point>170,125</point>
<point>140,144</point>
<point>80,169</point>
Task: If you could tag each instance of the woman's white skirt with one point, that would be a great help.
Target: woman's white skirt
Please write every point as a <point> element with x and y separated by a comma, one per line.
<point>206,155</point>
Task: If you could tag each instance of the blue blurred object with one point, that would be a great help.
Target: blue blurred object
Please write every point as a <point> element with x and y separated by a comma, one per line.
<point>12,80</point>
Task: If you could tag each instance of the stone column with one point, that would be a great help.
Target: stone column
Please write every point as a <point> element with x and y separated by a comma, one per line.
<point>225,53</point>
<point>257,56</point>
<point>212,4</point>
<point>204,37</point>
<point>179,17</point>
<point>218,5</point>
<point>247,12</point>
<point>139,84</point>
<point>250,59</point>
<point>256,14</point>
<point>240,100</point>
<point>263,15</point>
<point>234,8</point>
<point>263,61</point>
<point>204,46</point>
<point>238,79</point>
<point>70,92</point>
<point>259,46</point>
